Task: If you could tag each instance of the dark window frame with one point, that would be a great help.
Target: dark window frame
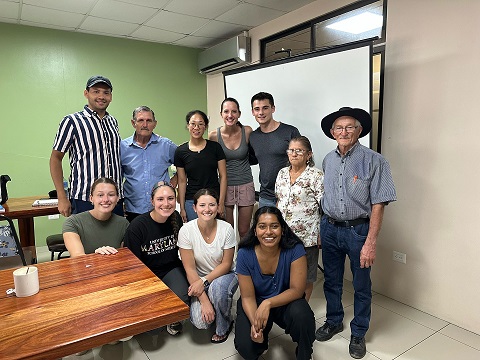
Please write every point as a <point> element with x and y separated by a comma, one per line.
<point>310,24</point>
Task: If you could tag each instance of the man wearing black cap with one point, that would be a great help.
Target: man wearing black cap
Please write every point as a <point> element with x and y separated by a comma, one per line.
<point>358,184</point>
<point>93,143</point>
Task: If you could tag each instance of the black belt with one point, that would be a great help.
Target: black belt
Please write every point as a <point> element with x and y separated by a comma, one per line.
<point>348,223</point>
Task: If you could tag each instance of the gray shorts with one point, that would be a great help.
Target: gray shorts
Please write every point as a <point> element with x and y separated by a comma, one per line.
<point>312,263</point>
<point>240,195</point>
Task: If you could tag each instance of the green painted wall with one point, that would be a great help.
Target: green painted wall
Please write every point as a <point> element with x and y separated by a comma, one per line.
<point>42,77</point>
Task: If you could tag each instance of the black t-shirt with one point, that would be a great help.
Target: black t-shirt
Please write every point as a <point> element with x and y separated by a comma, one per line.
<point>154,243</point>
<point>201,167</point>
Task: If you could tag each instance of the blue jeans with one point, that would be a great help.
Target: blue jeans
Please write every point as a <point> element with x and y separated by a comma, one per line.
<point>191,214</point>
<point>220,293</point>
<point>337,242</point>
<point>266,202</point>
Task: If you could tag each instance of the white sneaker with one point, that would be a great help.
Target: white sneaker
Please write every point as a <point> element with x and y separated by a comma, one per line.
<point>175,328</point>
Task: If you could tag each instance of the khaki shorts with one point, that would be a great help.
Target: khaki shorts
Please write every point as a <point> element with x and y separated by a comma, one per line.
<point>240,195</point>
<point>312,263</point>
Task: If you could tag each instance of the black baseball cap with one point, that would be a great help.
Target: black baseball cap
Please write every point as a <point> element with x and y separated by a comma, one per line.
<point>98,79</point>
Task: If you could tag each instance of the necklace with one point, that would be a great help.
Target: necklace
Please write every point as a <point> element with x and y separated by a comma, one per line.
<point>206,235</point>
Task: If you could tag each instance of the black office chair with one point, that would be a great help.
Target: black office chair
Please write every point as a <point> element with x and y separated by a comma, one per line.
<point>55,244</point>
<point>11,252</point>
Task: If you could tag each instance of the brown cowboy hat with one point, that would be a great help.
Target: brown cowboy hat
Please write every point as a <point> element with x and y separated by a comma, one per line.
<point>358,114</point>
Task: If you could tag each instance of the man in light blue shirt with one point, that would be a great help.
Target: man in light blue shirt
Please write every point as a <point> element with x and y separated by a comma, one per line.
<point>146,158</point>
<point>358,185</point>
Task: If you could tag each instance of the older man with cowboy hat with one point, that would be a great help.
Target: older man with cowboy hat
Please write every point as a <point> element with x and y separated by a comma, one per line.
<point>358,184</point>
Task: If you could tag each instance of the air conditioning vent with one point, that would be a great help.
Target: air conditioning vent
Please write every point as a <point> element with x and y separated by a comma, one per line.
<point>227,55</point>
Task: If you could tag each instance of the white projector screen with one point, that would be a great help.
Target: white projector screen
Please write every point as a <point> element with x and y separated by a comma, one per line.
<point>307,88</point>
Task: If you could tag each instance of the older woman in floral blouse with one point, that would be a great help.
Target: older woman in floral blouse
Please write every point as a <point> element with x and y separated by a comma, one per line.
<point>299,188</point>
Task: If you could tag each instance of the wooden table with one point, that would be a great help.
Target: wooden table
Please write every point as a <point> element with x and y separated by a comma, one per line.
<point>22,210</point>
<point>83,303</point>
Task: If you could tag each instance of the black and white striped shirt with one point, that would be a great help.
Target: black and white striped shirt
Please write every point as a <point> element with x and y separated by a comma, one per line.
<point>354,182</point>
<point>93,146</point>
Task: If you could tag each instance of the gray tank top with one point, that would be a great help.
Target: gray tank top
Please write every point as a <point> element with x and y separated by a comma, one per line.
<point>238,167</point>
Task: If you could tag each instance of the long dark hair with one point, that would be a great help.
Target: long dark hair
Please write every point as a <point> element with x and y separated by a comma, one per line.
<point>175,216</point>
<point>288,239</point>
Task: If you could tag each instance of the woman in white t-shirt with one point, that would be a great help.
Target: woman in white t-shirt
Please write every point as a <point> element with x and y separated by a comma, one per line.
<point>207,248</point>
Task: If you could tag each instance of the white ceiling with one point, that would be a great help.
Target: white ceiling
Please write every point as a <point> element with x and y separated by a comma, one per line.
<point>191,23</point>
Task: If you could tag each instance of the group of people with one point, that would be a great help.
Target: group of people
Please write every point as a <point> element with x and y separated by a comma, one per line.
<point>276,263</point>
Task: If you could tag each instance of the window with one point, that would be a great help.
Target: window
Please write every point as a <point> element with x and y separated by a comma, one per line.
<point>296,42</point>
<point>327,34</point>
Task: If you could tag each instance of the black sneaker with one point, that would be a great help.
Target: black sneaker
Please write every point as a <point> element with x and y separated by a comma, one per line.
<point>327,331</point>
<point>357,347</point>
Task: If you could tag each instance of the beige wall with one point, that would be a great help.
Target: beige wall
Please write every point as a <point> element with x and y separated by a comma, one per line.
<point>430,138</point>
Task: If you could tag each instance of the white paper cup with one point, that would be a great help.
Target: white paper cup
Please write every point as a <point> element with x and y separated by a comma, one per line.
<point>26,281</point>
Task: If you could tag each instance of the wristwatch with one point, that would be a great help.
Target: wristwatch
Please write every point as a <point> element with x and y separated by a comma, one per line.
<point>206,283</point>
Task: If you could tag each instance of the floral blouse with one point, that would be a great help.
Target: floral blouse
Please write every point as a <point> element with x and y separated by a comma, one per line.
<point>300,202</point>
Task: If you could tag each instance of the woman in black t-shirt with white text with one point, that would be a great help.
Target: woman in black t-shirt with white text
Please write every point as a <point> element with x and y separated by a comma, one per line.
<point>153,236</point>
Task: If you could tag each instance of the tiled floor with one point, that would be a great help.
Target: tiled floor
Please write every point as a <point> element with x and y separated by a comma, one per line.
<point>397,331</point>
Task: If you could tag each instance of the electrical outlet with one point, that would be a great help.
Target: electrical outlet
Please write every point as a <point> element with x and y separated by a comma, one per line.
<point>54,217</point>
<point>399,257</point>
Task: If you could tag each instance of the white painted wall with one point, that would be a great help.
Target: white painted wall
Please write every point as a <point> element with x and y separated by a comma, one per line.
<point>430,137</point>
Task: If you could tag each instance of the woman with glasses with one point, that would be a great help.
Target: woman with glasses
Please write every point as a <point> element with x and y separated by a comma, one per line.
<point>98,230</point>
<point>272,269</point>
<point>153,237</point>
<point>200,164</point>
<point>299,189</point>
<point>233,137</point>
<point>207,248</point>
